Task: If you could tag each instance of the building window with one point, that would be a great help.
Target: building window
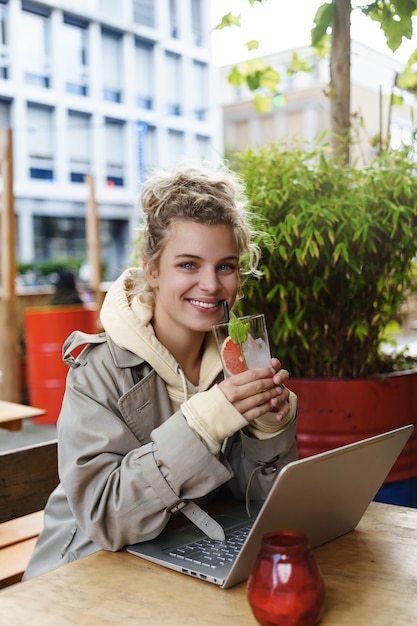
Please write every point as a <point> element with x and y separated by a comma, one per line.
<point>149,152</point>
<point>146,148</point>
<point>65,238</point>
<point>4,50</point>
<point>197,22</point>
<point>4,113</point>
<point>174,30</point>
<point>35,44</point>
<point>40,142</point>
<point>175,146</point>
<point>173,83</point>
<point>59,237</point>
<point>75,42</point>
<point>114,236</point>
<point>200,91</point>
<point>3,23</point>
<point>79,146</point>
<point>144,12</point>
<point>202,147</point>
<point>4,120</point>
<point>114,153</point>
<point>144,72</point>
<point>112,64</point>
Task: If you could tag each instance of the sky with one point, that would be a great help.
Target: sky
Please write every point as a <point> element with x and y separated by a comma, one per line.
<point>282,25</point>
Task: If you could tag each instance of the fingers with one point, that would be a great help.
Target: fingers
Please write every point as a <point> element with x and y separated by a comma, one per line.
<point>281,405</point>
<point>258,391</point>
<point>281,376</point>
<point>254,393</point>
<point>255,405</point>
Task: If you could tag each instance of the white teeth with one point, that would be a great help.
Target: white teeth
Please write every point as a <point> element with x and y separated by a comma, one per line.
<point>205,305</point>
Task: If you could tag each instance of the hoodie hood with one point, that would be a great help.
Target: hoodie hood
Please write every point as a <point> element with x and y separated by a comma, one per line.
<point>128,322</point>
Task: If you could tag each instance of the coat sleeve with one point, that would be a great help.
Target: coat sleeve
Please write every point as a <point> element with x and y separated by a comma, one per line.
<point>256,452</point>
<point>256,462</point>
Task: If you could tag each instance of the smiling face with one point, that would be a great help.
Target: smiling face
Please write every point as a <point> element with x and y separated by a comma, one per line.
<point>198,269</point>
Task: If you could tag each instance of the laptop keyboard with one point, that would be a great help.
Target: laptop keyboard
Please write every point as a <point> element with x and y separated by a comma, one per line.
<point>212,553</point>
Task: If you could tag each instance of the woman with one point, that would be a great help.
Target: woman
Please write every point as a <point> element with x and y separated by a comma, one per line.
<point>148,425</point>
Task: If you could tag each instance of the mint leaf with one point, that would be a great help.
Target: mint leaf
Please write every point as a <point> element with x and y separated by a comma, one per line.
<point>238,330</point>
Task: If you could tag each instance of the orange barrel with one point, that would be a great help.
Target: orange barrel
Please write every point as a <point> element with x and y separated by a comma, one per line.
<point>46,329</point>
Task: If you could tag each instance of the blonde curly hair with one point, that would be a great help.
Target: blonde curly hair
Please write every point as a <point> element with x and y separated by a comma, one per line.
<point>197,194</point>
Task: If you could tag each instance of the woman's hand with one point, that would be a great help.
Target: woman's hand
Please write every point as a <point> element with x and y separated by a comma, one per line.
<point>258,391</point>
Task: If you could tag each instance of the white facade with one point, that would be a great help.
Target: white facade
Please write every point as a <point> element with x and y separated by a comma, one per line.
<point>109,88</point>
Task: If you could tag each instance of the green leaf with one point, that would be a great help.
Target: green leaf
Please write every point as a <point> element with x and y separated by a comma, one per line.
<point>253,44</point>
<point>323,20</point>
<point>398,100</point>
<point>262,104</point>
<point>229,20</point>
<point>408,80</point>
<point>394,18</point>
<point>298,65</point>
<point>236,78</point>
<point>238,330</point>
<point>253,81</point>
<point>269,79</point>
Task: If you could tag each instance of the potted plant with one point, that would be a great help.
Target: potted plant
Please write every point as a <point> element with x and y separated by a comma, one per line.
<point>339,265</point>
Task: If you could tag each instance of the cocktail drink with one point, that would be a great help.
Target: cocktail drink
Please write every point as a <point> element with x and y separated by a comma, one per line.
<point>243,343</point>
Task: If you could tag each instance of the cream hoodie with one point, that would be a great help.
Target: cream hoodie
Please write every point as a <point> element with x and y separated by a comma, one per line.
<point>206,409</point>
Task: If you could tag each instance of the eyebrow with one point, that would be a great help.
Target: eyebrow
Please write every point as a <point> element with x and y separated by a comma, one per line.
<point>196,256</point>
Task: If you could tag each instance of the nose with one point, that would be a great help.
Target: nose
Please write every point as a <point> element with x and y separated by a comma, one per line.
<point>209,281</point>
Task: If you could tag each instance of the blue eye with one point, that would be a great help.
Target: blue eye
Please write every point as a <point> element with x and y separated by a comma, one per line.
<point>188,265</point>
<point>227,267</point>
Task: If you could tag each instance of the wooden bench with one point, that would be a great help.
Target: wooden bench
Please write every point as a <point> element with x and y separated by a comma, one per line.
<point>27,477</point>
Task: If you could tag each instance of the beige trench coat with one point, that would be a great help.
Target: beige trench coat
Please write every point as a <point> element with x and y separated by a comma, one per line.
<point>125,462</point>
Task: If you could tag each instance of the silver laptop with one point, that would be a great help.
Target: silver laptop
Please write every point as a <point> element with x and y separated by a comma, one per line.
<point>323,496</point>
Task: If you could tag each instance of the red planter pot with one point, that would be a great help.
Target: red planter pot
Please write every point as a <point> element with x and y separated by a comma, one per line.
<point>46,329</point>
<point>337,411</point>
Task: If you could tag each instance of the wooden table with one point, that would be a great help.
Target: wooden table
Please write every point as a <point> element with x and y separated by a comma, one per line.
<point>370,576</point>
<point>12,413</point>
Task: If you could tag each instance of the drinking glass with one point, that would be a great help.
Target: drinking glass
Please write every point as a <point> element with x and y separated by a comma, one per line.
<point>243,343</point>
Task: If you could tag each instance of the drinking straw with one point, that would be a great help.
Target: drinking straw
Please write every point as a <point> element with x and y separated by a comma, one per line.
<point>226,312</point>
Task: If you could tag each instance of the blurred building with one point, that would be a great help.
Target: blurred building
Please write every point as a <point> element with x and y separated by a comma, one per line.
<point>108,88</point>
<point>301,110</point>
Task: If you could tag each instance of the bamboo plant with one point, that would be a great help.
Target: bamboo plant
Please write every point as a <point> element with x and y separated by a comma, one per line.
<point>341,259</point>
